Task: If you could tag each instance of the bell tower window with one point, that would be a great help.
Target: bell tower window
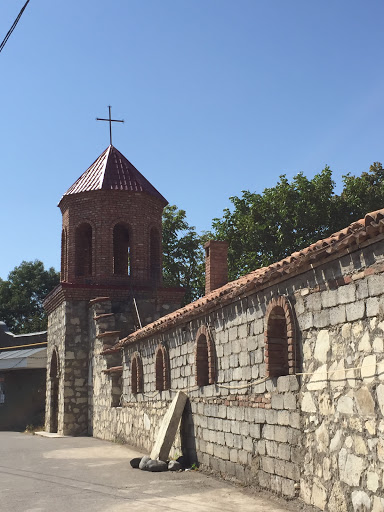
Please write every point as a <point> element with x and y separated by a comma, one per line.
<point>83,250</point>
<point>154,255</point>
<point>121,250</point>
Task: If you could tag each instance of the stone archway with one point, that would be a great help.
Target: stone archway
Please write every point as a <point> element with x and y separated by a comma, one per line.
<point>54,396</point>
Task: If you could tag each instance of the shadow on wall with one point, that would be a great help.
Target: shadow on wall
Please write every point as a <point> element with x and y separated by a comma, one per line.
<point>187,433</point>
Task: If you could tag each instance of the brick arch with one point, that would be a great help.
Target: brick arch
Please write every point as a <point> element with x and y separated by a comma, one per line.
<point>154,254</point>
<point>122,239</point>
<point>84,242</point>
<point>205,357</point>
<point>54,369</point>
<point>137,381</point>
<point>280,353</point>
<point>54,372</point>
<point>64,255</point>
<point>162,368</point>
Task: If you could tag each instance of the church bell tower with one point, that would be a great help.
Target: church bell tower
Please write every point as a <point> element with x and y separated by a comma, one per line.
<point>110,248</point>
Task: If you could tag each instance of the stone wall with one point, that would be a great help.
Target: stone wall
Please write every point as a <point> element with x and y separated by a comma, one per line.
<point>319,433</point>
<point>244,426</point>
<point>56,342</point>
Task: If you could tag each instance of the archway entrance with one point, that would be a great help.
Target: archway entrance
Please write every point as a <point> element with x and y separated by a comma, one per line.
<point>54,402</point>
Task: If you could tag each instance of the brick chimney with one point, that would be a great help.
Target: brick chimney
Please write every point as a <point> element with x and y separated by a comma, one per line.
<point>216,265</point>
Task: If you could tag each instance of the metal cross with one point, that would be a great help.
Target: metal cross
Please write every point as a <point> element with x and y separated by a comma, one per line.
<point>110,123</point>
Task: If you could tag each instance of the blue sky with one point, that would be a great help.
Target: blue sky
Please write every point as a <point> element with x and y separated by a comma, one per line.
<point>218,97</point>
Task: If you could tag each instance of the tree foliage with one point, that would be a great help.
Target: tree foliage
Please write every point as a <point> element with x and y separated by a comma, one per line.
<point>22,295</point>
<point>263,228</point>
<point>183,257</point>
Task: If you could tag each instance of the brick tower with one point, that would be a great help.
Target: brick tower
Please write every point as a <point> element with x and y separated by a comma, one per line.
<point>110,247</point>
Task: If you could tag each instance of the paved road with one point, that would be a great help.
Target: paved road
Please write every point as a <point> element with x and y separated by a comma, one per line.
<point>40,474</point>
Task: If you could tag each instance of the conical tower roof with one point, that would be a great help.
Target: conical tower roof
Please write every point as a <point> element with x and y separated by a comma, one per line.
<point>112,171</point>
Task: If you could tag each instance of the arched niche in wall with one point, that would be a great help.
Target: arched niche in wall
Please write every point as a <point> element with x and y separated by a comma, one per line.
<point>280,344</point>
<point>162,368</point>
<point>54,370</point>
<point>83,250</point>
<point>205,357</point>
<point>137,384</point>
<point>154,255</point>
<point>122,249</point>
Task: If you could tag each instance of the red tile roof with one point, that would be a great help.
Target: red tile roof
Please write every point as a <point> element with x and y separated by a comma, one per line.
<point>112,171</point>
<point>364,229</point>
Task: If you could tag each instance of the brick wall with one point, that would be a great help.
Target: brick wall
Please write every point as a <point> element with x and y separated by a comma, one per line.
<point>89,221</point>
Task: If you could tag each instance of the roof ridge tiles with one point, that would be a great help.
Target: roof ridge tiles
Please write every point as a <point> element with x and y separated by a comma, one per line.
<point>370,226</point>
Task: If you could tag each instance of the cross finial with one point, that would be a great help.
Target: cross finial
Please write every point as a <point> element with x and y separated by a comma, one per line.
<point>110,120</point>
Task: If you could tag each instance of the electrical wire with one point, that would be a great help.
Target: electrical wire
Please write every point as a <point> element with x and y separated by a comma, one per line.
<point>13,26</point>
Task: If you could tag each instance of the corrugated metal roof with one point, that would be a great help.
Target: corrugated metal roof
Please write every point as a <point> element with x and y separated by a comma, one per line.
<point>29,358</point>
<point>112,171</point>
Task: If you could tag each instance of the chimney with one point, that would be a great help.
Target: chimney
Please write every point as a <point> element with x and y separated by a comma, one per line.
<point>216,265</point>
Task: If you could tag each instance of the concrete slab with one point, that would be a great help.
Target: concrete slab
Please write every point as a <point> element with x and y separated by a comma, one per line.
<point>168,427</point>
<point>48,434</point>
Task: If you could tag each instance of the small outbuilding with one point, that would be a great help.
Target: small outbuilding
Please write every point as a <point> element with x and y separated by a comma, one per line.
<point>23,361</point>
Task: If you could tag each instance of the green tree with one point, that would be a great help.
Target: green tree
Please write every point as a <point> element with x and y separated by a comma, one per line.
<point>22,295</point>
<point>263,228</point>
<point>183,255</point>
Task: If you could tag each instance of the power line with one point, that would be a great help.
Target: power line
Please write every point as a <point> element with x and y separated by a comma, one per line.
<point>13,26</point>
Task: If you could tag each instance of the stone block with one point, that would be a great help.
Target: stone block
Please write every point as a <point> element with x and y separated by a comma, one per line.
<point>268,464</point>
<point>345,405</point>
<point>337,499</point>
<point>319,379</point>
<point>259,415</point>
<point>254,431</point>
<point>319,495</point>
<point>364,402</point>
<point>283,417</point>
<point>329,298</point>
<point>294,419</point>
<point>269,432</point>
<point>281,434</point>
<point>277,402</point>
<point>362,289</point>
<point>288,488</point>
<point>290,401</point>
<point>346,293</point>
<point>380,397</point>
<point>376,284</point>
<point>368,368</point>
<point>322,346</point>
<point>284,451</point>
<point>306,321</point>
<point>373,306</point>
<point>360,501</point>
<point>233,457</point>
<point>307,403</point>
<point>168,427</point>
<point>321,318</point>
<point>222,452</point>
<point>355,311</point>
<point>271,416</point>
<point>287,383</point>
<point>350,468</point>
<point>337,315</point>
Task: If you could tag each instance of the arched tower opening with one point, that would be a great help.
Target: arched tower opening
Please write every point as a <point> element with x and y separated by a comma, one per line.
<point>54,402</point>
<point>121,250</point>
<point>83,250</point>
<point>64,255</point>
<point>155,255</point>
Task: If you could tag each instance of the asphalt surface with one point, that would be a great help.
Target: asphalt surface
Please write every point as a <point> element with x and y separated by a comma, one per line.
<point>83,474</point>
